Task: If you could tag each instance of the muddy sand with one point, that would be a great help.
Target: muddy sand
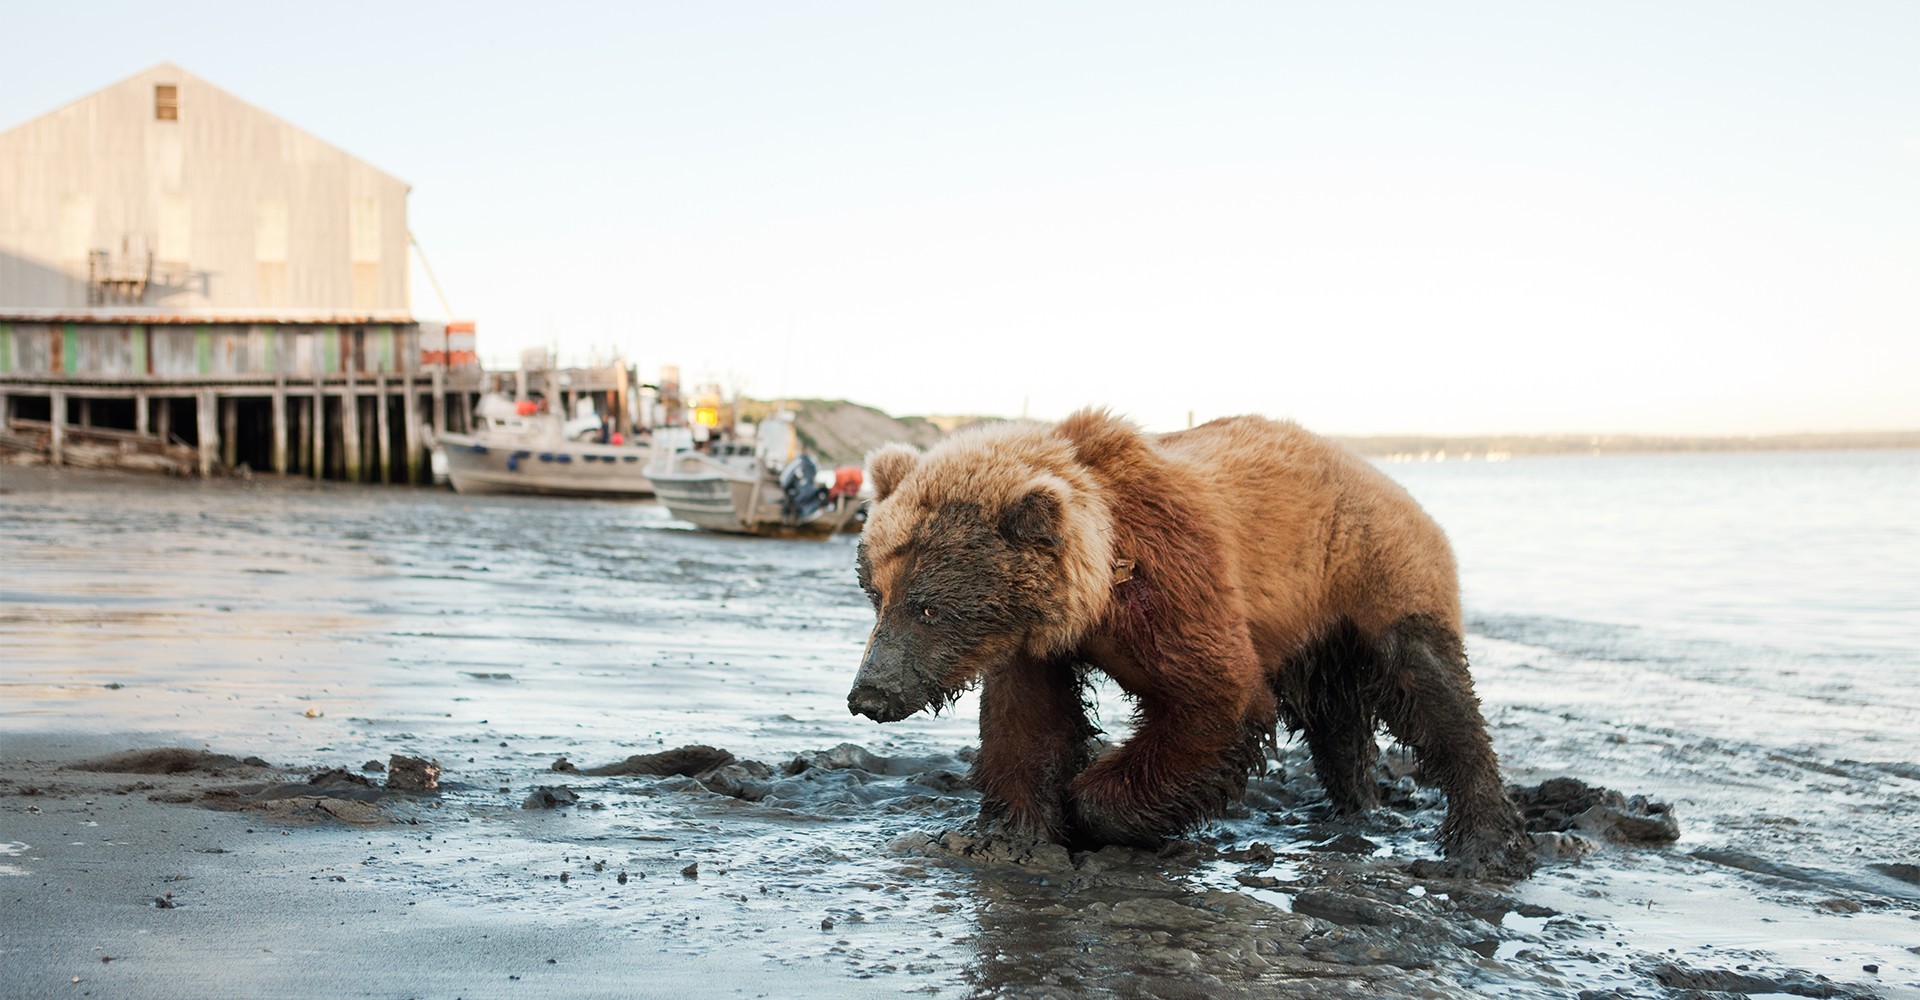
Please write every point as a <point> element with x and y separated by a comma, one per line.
<point>278,740</point>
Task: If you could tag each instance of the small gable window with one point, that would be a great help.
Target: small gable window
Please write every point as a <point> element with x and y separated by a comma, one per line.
<point>166,102</point>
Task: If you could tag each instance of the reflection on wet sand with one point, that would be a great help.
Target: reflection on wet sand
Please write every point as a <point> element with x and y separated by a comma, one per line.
<point>324,628</point>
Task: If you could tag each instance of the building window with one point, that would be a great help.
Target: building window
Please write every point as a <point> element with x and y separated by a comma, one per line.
<point>166,102</point>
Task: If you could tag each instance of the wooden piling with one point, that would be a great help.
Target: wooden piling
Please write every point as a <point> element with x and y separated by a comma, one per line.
<point>280,425</point>
<point>302,440</point>
<point>369,447</point>
<point>293,434</point>
<point>229,431</point>
<point>319,466</point>
<point>383,429</point>
<point>350,430</point>
<point>204,425</point>
<point>410,418</point>
<point>57,440</point>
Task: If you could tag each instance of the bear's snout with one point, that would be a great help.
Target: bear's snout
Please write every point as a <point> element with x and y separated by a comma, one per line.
<point>886,689</point>
<point>877,703</point>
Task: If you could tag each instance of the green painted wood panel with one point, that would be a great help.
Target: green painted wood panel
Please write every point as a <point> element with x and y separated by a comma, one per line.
<point>203,349</point>
<point>139,364</point>
<point>70,350</point>
<point>6,348</point>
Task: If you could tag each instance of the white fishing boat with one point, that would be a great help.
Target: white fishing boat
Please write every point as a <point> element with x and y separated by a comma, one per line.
<point>760,487</point>
<point>515,451</point>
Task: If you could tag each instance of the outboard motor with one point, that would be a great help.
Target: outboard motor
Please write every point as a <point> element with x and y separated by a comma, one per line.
<point>802,494</point>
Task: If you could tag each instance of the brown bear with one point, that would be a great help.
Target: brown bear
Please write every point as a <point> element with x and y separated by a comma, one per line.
<point>1228,577</point>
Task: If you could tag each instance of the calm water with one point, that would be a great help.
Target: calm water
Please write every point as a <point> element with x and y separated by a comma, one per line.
<point>1815,553</point>
<point>1786,585</point>
<point>1677,589</point>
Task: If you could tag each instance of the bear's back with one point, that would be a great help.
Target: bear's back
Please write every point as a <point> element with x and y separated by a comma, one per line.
<point>1319,532</point>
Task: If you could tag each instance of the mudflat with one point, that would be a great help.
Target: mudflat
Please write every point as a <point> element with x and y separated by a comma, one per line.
<point>273,738</point>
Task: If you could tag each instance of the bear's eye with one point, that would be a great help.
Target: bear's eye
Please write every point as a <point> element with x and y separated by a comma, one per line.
<point>929,614</point>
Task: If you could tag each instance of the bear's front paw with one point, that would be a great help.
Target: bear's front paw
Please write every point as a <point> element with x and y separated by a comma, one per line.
<point>1002,819</point>
<point>1503,857</point>
<point>1095,824</point>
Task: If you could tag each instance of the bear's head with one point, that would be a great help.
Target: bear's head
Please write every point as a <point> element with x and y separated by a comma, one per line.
<point>970,555</point>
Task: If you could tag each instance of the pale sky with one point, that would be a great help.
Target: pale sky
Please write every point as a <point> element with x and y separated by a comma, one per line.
<point>1370,217</point>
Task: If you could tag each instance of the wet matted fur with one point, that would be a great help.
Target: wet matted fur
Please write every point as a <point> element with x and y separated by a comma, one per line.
<point>1229,577</point>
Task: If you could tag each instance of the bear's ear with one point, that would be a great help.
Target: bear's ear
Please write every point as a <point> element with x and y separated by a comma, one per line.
<point>1033,519</point>
<point>888,465</point>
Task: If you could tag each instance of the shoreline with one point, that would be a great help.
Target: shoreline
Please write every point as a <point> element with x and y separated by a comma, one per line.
<point>1519,445</point>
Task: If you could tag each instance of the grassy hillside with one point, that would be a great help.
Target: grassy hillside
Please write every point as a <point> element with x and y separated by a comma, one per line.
<point>837,432</point>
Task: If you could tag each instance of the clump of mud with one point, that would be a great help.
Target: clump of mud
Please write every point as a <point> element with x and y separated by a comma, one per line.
<point>333,794</point>
<point>167,760</point>
<point>205,777</point>
<point>690,760</point>
<point>1563,805</point>
<point>842,782</point>
<point>412,774</point>
<point>1729,982</point>
<point>551,797</point>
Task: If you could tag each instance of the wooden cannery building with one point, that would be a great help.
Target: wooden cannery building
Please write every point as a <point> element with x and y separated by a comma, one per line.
<point>179,268</point>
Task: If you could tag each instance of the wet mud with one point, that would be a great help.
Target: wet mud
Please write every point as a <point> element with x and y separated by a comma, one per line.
<point>1278,900</point>
<point>639,739</point>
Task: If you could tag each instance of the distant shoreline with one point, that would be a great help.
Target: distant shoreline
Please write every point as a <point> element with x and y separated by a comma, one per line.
<point>1508,445</point>
<point>840,430</point>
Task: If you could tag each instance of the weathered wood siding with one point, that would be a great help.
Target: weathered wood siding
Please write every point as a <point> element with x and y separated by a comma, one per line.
<point>187,350</point>
<point>243,212</point>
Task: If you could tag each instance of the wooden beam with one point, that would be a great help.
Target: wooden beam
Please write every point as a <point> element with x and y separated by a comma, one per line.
<point>350,430</point>
<point>280,425</point>
<point>140,404</point>
<point>204,426</point>
<point>163,422</point>
<point>319,466</point>
<point>57,438</point>
<point>229,430</point>
<point>302,439</point>
<point>439,401</point>
<point>382,429</point>
<point>410,419</point>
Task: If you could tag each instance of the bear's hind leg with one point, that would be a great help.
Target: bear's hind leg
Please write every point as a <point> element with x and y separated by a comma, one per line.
<point>1427,702</point>
<point>1325,691</point>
